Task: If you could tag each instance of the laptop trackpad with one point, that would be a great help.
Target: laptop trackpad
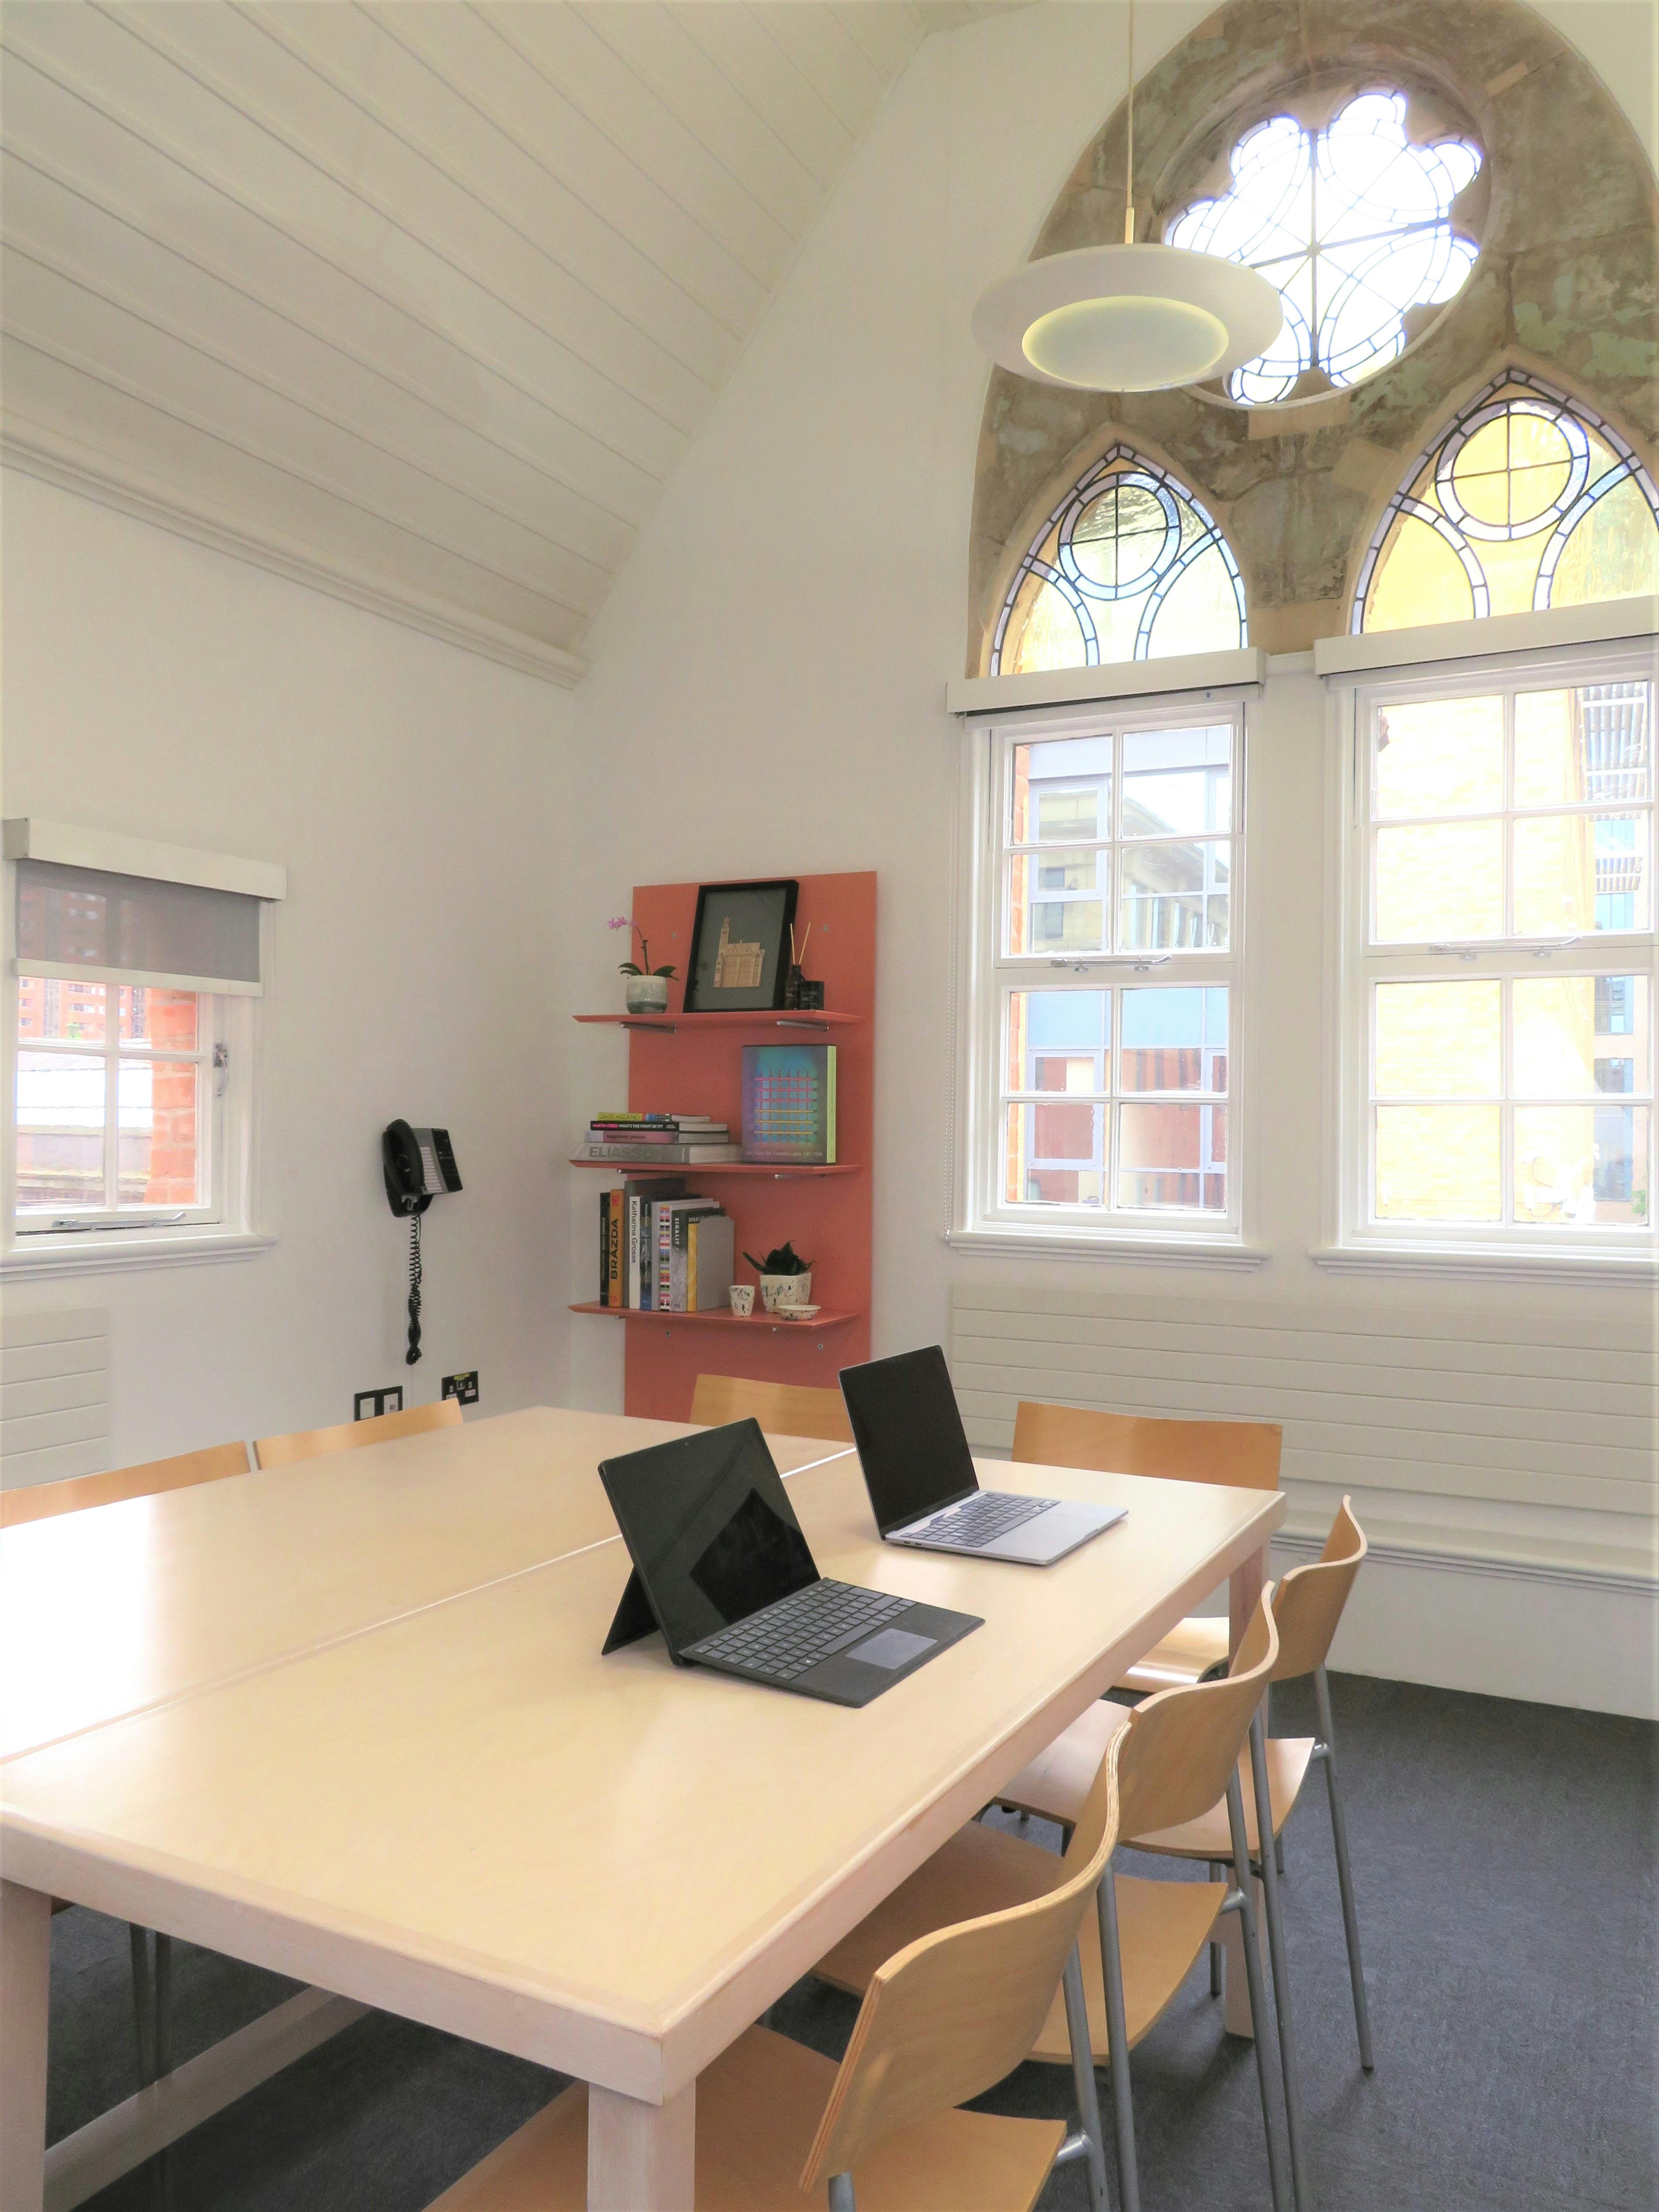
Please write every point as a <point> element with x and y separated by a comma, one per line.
<point>891,1647</point>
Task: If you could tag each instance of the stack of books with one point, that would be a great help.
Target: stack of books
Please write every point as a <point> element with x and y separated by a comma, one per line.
<point>659,1139</point>
<point>662,1249</point>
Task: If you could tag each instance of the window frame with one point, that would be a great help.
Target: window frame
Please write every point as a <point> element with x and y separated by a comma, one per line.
<point>1355,1237</point>
<point>233,1226</point>
<point>982,1218</point>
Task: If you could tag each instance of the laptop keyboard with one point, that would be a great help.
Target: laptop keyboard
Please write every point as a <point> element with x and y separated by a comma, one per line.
<point>982,1517</point>
<point>786,1639</point>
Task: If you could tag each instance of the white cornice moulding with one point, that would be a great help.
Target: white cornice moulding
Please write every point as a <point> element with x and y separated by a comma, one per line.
<point>1118,679</point>
<point>29,838</point>
<point>1528,632</point>
<point>77,468</point>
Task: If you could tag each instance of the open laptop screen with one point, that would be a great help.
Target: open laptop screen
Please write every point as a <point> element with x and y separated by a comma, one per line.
<point>710,1527</point>
<point>910,1436</point>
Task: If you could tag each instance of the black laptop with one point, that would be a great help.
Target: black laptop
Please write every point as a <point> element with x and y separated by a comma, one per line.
<point>920,1471</point>
<point>721,1566</point>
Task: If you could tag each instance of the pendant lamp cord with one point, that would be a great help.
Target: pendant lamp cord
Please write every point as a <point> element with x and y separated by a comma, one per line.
<point>1129,161</point>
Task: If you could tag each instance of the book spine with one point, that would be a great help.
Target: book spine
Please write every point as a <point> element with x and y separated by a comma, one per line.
<point>829,1105</point>
<point>691,1267</point>
<point>679,1252</point>
<point>604,1247</point>
<point>662,1154</point>
<point>631,1289</point>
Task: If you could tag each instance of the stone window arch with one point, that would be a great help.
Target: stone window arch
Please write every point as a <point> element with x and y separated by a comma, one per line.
<point>1128,565</point>
<point>1563,288</point>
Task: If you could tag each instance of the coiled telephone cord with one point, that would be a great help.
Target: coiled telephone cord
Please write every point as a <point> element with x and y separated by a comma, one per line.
<point>414,1353</point>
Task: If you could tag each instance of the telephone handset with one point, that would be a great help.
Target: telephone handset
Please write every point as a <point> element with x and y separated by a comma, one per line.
<point>418,1165</point>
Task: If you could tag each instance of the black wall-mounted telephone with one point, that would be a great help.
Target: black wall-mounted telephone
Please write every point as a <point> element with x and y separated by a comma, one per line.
<point>419,1166</point>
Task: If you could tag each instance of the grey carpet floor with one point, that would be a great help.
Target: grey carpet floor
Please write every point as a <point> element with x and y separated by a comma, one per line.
<point>1504,1865</point>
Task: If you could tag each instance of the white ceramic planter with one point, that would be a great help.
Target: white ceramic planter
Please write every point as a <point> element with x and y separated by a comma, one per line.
<point>647,994</point>
<point>785,1290</point>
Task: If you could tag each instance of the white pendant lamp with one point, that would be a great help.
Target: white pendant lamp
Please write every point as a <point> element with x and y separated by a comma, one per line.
<point>1127,318</point>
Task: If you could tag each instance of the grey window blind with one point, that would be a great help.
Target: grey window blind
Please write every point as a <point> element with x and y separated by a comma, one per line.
<point>133,929</point>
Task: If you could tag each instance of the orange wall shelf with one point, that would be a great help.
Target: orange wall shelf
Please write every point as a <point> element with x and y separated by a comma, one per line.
<point>693,1063</point>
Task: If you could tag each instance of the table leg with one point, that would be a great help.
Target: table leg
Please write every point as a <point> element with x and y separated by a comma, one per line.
<point>25,1979</point>
<point>1243,1591</point>
<point>640,2158</point>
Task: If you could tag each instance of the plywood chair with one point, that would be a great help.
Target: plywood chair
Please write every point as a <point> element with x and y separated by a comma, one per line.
<point>783,1409</point>
<point>1307,1608</point>
<point>42,1501</point>
<point>351,1436</point>
<point>942,2020</point>
<point>1239,1455</point>
<point>1178,1750</point>
<point>152,1984</point>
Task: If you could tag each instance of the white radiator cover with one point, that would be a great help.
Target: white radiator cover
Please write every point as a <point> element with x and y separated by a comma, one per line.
<point>54,1395</point>
<point>1500,1452</point>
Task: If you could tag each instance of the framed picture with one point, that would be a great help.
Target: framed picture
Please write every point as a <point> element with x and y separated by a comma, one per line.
<point>740,947</point>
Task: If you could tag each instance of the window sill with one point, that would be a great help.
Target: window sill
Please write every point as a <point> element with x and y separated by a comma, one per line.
<point>1495,1263</point>
<point>34,1257</point>
<point>1228,1254</point>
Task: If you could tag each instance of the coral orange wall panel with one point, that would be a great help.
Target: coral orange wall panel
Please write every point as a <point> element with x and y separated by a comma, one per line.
<point>827,1217</point>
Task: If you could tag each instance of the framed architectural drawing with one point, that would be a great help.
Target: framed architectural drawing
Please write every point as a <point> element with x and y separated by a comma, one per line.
<point>739,947</point>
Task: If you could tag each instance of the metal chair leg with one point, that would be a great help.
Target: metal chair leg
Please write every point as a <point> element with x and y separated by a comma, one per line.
<point>164,2056</point>
<point>840,2193</point>
<point>1345,1878</point>
<point>1083,2077</point>
<point>1117,2036</point>
<point>1217,1951</point>
<point>1252,1977</point>
<point>1264,1829</point>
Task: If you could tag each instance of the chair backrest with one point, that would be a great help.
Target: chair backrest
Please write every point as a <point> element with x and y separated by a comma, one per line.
<point>1240,1454</point>
<point>1180,1748</point>
<point>351,1436</point>
<point>1311,1599</point>
<point>784,1409</point>
<point>41,1501</point>
<point>956,2011</point>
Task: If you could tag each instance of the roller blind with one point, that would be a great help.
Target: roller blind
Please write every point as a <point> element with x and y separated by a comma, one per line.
<point>113,928</point>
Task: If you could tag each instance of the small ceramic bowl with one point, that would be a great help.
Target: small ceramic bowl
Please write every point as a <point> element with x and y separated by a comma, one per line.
<point>796,1313</point>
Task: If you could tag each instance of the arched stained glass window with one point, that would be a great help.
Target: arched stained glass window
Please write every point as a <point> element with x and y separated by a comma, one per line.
<point>1351,223</point>
<point>1129,566</point>
<point>1527,501</point>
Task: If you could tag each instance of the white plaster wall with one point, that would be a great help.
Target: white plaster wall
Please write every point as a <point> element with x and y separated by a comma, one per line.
<point>158,688</point>
<point>767,697</point>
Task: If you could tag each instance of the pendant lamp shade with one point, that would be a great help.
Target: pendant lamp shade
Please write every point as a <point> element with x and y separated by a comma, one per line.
<point>1127,318</point>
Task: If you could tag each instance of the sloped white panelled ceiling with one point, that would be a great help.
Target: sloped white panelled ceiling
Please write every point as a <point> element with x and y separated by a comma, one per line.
<point>420,301</point>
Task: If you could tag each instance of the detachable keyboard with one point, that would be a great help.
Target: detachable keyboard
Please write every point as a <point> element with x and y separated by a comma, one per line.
<point>981,1518</point>
<point>785,1640</point>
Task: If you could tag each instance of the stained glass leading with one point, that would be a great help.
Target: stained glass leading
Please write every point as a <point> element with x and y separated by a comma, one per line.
<point>1527,501</point>
<point>1129,566</point>
<point>1351,223</point>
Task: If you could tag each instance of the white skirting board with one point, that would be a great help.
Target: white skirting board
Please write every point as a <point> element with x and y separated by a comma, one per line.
<point>1558,1641</point>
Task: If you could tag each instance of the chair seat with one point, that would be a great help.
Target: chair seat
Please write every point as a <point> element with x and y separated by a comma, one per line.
<point>1209,1835</point>
<point>1163,1926</point>
<point>758,2109</point>
<point>1057,1780</point>
<point>1192,1647</point>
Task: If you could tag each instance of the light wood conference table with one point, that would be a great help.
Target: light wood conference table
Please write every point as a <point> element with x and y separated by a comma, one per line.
<point>609,1866</point>
<point>105,1612</point>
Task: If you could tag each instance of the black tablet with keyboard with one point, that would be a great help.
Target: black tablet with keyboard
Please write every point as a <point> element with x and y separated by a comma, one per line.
<point>721,1567</point>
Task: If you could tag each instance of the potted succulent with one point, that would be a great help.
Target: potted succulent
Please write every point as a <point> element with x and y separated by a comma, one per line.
<point>786,1280</point>
<point>646,991</point>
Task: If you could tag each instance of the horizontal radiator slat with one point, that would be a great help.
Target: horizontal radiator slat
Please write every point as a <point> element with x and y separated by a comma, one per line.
<point>1501,1410</point>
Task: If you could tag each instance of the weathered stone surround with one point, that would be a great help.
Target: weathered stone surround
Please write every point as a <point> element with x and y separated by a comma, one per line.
<point>1566,284</point>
